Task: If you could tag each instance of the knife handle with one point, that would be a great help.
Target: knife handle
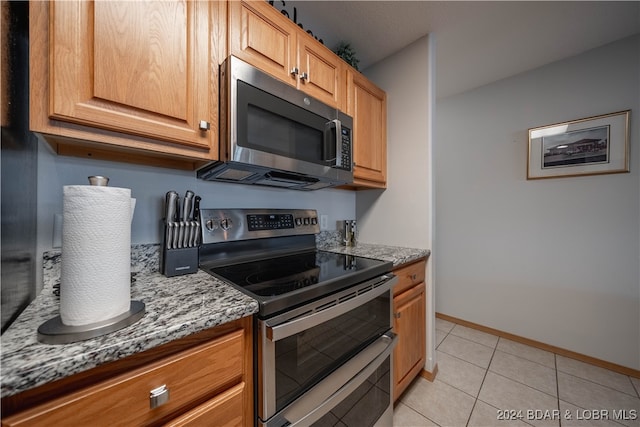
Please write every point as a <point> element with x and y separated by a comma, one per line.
<point>170,206</point>
<point>186,206</point>
<point>196,208</point>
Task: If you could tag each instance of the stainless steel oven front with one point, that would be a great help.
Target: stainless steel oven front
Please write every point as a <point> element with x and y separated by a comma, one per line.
<point>329,360</point>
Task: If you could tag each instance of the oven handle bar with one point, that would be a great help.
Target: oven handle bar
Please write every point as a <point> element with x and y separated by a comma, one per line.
<point>333,389</point>
<point>289,328</point>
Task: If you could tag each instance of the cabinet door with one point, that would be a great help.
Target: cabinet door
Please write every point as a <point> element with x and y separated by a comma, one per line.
<point>226,409</point>
<point>125,400</point>
<point>141,68</point>
<point>368,106</point>
<point>261,36</point>
<point>409,324</point>
<point>321,71</point>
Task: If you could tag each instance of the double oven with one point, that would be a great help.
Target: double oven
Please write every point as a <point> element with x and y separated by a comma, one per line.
<point>323,342</point>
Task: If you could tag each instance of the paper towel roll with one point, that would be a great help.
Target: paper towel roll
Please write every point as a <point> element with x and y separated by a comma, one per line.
<point>95,280</point>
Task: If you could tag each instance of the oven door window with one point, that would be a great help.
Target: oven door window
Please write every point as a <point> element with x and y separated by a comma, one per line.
<point>304,359</point>
<point>272,125</point>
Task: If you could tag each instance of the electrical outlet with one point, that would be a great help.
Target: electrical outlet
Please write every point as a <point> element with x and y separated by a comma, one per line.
<point>57,231</point>
<point>324,222</point>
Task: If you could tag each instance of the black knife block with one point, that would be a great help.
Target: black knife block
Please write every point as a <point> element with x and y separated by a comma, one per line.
<point>176,262</point>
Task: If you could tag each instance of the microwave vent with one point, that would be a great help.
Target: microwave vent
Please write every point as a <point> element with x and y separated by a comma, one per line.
<point>235,174</point>
<point>318,185</point>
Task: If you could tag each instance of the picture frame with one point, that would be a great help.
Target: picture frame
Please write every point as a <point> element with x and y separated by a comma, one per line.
<point>590,146</point>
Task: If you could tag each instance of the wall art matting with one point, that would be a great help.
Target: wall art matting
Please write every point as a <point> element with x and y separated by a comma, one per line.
<point>590,146</point>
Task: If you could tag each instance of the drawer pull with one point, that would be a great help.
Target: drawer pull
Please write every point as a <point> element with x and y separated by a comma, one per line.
<point>204,125</point>
<point>414,276</point>
<point>158,396</point>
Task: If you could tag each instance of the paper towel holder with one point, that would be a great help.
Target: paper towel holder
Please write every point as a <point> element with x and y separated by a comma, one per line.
<point>53,331</point>
<point>97,180</point>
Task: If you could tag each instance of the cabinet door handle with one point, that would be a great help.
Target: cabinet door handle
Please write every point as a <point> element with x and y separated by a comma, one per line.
<point>414,276</point>
<point>304,76</point>
<point>158,396</point>
<point>397,315</point>
<point>204,125</point>
<point>294,71</point>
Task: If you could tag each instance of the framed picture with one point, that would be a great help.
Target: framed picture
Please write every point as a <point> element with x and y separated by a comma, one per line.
<point>591,146</point>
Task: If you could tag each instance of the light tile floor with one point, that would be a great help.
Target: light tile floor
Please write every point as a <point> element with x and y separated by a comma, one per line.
<point>484,380</point>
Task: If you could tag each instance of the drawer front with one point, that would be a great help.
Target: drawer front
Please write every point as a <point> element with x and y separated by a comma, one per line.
<point>125,400</point>
<point>409,276</point>
<point>223,410</point>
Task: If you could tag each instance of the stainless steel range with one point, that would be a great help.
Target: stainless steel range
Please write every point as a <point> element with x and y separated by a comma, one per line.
<point>324,343</point>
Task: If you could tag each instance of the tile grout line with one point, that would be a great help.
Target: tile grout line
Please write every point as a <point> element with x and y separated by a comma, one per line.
<point>635,388</point>
<point>464,360</point>
<point>486,371</point>
<point>529,360</point>
<point>599,384</point>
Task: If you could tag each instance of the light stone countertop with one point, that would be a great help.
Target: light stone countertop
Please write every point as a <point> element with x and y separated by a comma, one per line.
<point>175,308</point>
<point>396,254</point>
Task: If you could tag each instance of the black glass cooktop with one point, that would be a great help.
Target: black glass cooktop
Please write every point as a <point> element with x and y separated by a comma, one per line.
<point>288,281</point>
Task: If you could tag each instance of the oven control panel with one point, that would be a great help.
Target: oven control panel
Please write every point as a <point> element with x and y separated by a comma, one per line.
<point>225,225</point>
<point>257,222</point>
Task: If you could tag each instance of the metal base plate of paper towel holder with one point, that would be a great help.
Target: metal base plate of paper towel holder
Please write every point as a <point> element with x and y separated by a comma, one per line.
<point>53,331</point>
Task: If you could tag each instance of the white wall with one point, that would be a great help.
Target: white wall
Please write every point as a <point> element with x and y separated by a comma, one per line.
<point>552,260</point>
<point>149,185</point>
<point>401,214</point>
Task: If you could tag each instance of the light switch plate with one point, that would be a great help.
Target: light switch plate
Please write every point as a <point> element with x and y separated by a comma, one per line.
<point>324,222</point>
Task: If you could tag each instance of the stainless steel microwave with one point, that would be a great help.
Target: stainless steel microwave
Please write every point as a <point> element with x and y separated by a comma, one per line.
<point>273,134</point>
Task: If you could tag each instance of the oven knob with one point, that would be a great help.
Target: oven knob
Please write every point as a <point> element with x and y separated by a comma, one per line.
<point>298,222</point>
<point>226,223</point>
<point>211,224</point>
<point>306,221</point>
<point>314,221</point>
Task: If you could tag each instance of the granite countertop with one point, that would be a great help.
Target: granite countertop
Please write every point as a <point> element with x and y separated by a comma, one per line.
<point>396,254</point>
<point>175,308</point>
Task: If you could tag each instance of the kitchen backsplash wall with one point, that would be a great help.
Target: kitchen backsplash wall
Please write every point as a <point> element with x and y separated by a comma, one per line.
<point>148,186</point>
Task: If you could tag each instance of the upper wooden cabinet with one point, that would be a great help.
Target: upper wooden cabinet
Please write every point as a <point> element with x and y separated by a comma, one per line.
<point>144,72</point>
<point>368,106</point>
<point>139,81</point>
<point>263,37</point>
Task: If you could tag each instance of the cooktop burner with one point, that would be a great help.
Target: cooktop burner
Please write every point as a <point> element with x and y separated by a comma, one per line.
<point>270,254</point>
<point>288,281</point>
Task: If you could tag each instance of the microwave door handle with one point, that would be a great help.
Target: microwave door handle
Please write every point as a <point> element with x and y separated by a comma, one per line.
<point>337,144</point>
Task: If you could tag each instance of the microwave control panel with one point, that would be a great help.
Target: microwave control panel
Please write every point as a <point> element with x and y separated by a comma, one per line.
<point>345,152</point>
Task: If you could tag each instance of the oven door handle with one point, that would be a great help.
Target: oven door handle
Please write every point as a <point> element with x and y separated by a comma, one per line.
<point>292,327</point>
<point>333,389</point>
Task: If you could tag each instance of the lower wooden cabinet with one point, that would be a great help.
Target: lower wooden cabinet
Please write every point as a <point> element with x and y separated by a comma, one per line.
<point>207,383</point>
<point>409,323</point>
<point>223,410</point>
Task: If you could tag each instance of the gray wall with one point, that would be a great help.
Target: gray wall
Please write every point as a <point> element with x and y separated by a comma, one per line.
<point>552,260</point>
<point>149,184</point>
<point>401,215</point>
<point>387,216</point>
